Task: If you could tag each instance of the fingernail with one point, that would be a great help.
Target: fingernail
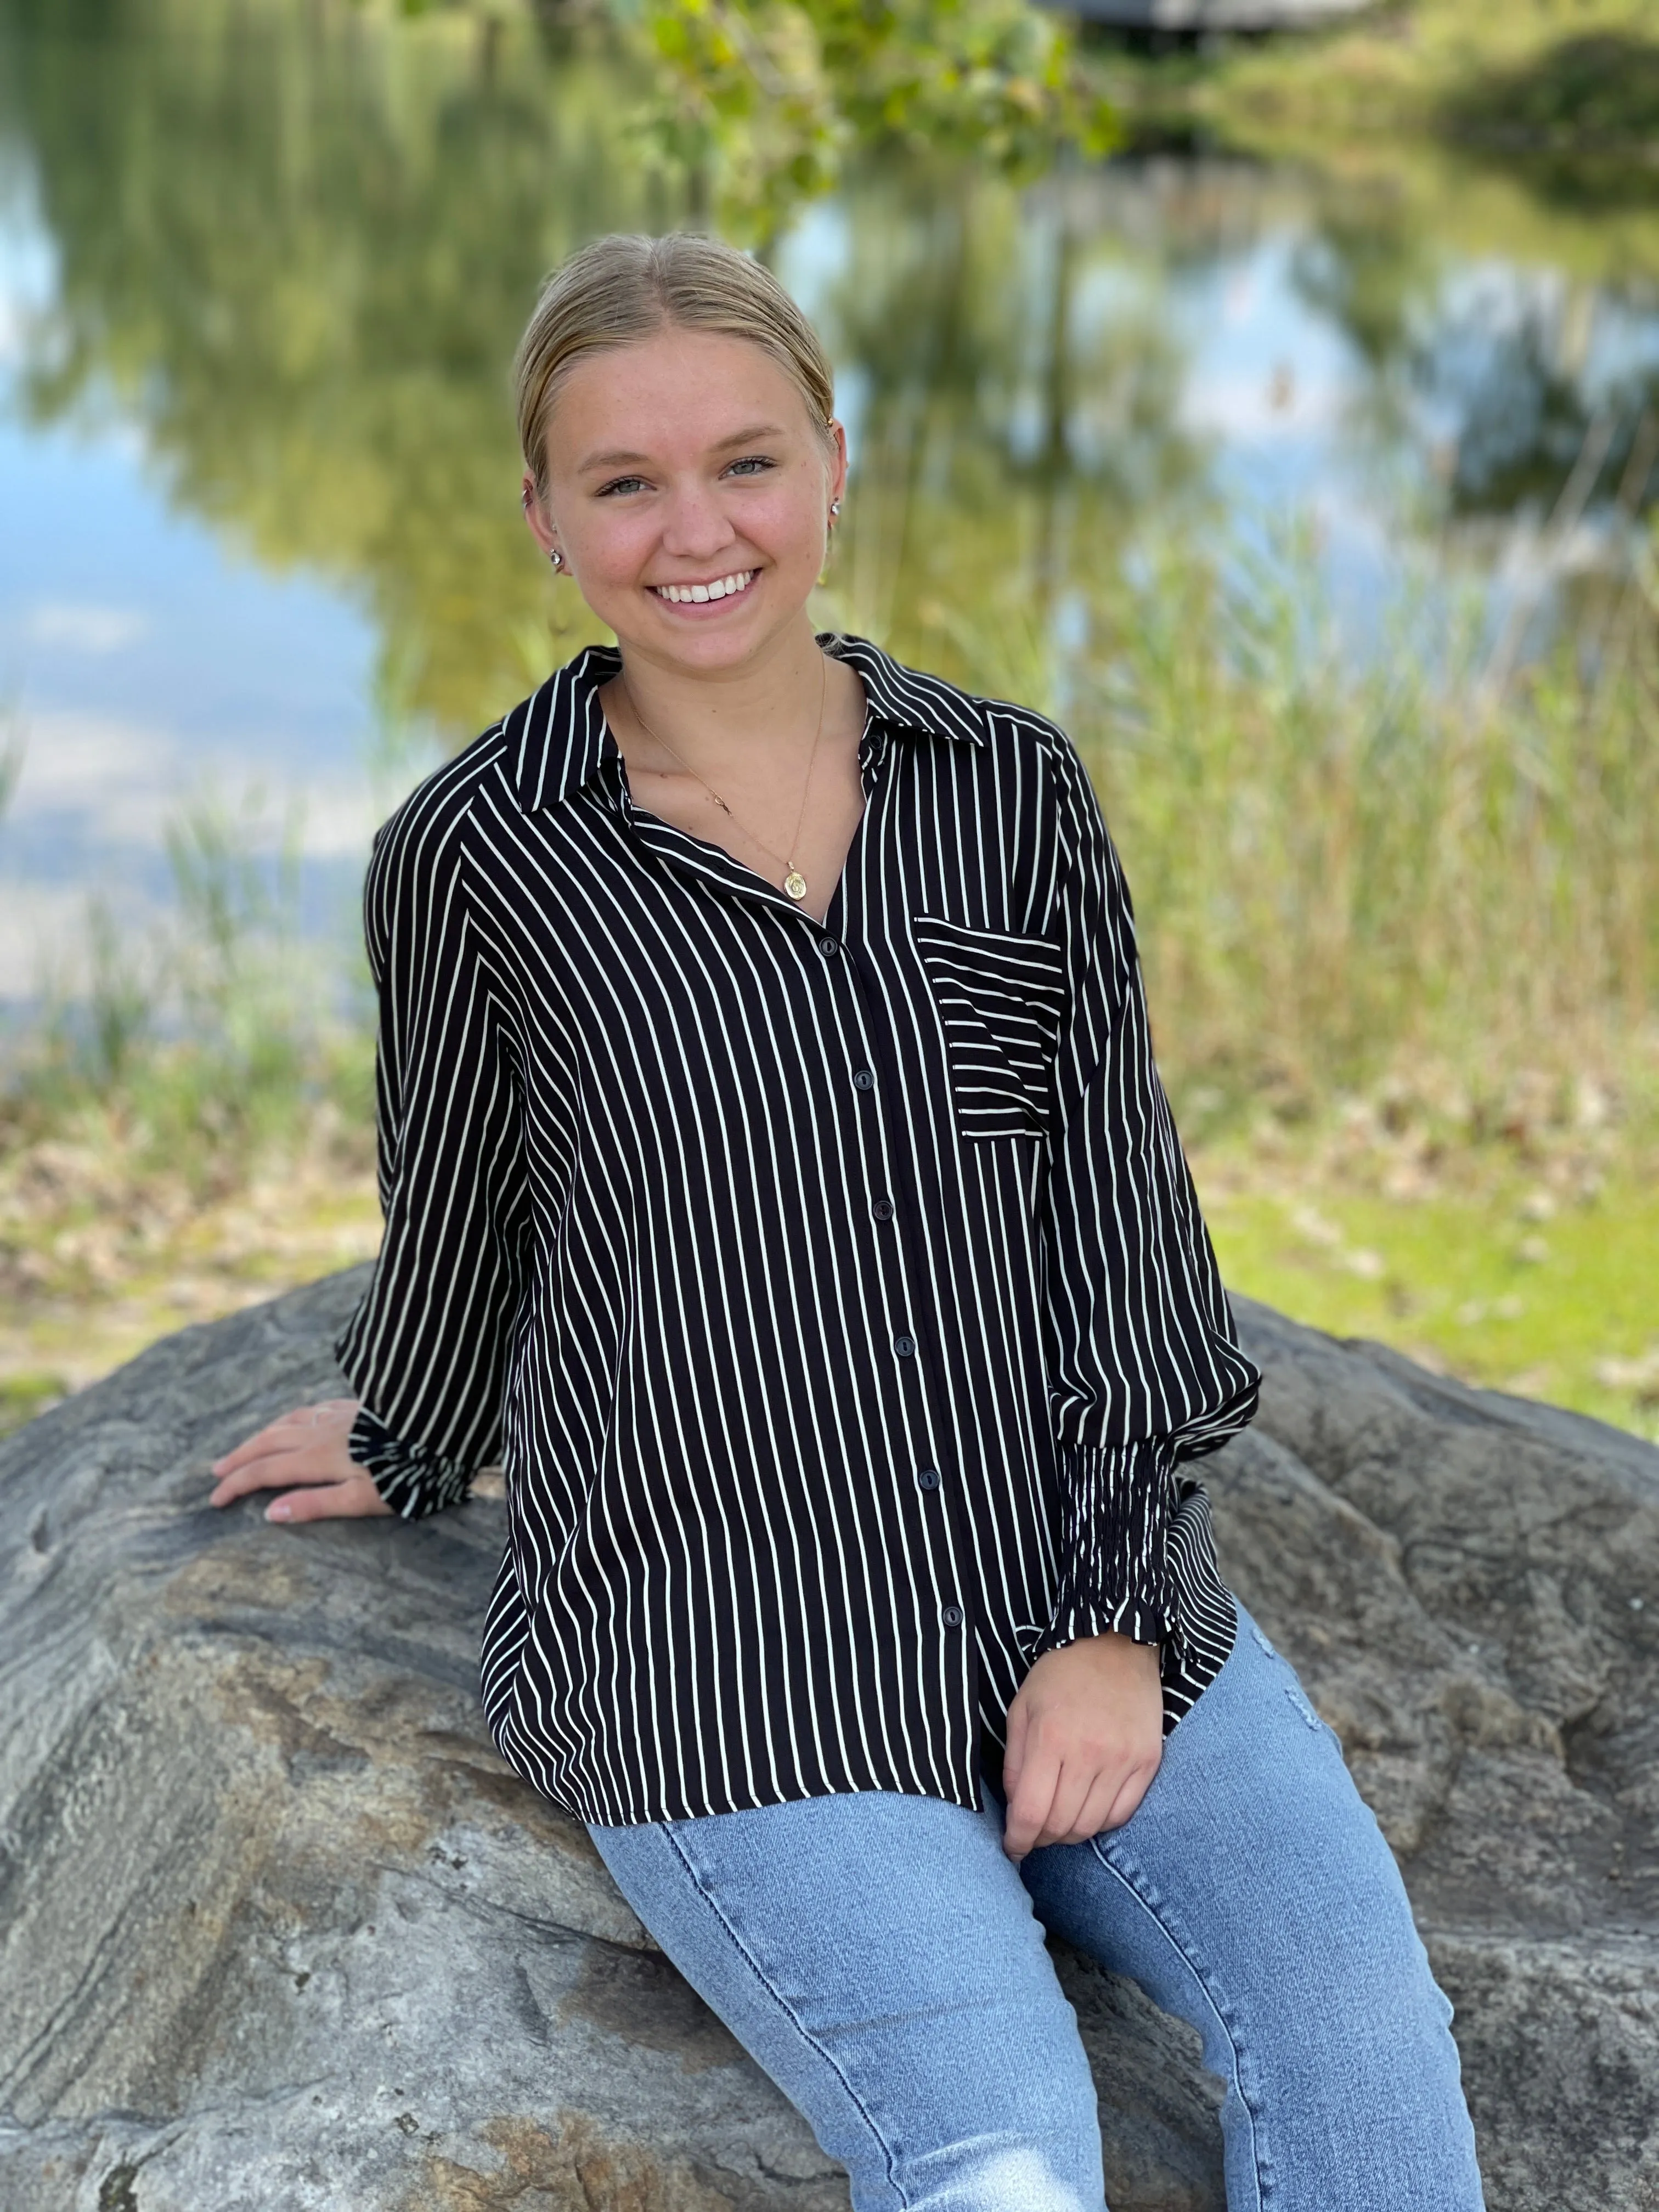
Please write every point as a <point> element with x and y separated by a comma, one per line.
<point>282,1511</point>
<point>215,1467</point>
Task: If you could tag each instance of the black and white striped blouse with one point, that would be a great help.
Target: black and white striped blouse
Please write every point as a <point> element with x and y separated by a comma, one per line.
<point>835,1296</point>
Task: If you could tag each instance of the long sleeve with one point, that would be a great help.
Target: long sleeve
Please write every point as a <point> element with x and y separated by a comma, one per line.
<point>1145,1367</point>
<point>426,1349</point>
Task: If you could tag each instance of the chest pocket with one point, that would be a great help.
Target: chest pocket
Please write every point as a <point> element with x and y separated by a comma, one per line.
<point>1001,999</point>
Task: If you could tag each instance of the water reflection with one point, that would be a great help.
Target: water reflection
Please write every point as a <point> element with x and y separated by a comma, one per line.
<point>287,250</point>
<point>294,250</point>
<point>1016,406</point>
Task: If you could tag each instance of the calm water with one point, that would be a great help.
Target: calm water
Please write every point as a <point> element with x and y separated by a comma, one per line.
<point>262,270</point>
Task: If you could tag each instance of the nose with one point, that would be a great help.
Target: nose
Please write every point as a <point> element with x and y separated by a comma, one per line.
<point>694,527</point>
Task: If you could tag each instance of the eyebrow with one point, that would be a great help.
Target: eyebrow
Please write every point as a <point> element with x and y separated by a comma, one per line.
<point>747,436</point>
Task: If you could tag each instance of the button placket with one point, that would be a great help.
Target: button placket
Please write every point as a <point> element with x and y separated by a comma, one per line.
<point>951,1541</point>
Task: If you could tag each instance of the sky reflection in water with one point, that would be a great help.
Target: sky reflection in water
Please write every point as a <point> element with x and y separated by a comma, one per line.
<point>258,479</point>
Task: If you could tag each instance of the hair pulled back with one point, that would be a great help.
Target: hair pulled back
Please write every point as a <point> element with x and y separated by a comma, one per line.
<point>625,287</point>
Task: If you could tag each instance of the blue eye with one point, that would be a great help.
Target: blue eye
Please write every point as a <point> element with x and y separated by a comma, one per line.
<point>619,483</point>
<point>752,462</point>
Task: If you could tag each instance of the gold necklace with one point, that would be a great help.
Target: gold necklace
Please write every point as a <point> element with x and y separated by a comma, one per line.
<point>793,882</point>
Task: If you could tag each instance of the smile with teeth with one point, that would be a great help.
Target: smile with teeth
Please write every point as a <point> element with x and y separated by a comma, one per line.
<point>723,587</point>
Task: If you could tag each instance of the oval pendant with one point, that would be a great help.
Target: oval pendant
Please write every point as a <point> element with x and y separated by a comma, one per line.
<point>795,884</point>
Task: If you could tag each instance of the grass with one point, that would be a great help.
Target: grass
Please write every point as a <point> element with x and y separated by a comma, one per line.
<point>1408,985</point>
<point>1399,918</point>
<point>187,1128</point>
<point>100,1265</point>
<point>1353,868</point>
<point>1566,1315</point>
<point>1407,980</point>
<point>1525,1268</point>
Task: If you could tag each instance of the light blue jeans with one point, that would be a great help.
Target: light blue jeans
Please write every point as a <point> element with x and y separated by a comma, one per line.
<point>883,1961</point>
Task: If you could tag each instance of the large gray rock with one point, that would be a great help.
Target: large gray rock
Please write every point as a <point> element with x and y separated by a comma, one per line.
<point>280,1931</point>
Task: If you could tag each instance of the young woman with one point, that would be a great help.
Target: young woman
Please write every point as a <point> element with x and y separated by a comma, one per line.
<point>776,1177</point>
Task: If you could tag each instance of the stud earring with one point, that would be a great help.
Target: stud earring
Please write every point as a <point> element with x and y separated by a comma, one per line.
<point>834,506</point>
<point>556,558</point>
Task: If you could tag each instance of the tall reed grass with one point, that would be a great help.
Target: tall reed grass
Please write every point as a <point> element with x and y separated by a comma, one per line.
<point>1357,868</point>
<point>198,1048</point>
<point>1351,871</point>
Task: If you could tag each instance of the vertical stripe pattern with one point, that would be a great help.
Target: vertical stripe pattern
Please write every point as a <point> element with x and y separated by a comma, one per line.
<point>835,1296</point>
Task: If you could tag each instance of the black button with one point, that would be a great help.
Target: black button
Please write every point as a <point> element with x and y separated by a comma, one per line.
<point>950,1615</point>
<point>864,1078</point>
<point>883,1209</point>
<point>927,1478</point>
<point>904,1346</point>
<point>829,946</point>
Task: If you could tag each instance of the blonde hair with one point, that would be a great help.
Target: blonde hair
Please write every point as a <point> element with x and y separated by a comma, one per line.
<point>626,287</point>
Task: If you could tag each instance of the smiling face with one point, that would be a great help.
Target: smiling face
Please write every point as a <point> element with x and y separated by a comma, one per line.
<point>689,491</point>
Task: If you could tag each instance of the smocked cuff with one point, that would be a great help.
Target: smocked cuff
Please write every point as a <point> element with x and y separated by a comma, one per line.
<point>1114,1523</point>
<point>412,1480</point>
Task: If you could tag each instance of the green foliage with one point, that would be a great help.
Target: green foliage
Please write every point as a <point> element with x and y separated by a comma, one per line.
<point>1495,124</point>
<point>764,99</point>
<point>1578,120</point>
<point>295,249</point>
<point>117,1012</point>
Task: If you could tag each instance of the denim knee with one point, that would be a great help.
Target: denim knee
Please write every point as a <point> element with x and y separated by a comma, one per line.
<point>1030,2168</point>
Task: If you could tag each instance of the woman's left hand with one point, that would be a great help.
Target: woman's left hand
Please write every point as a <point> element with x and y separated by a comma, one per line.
<point>1085,1735</point>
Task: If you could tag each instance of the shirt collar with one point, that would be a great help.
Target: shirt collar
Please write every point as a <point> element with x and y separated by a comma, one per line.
<point>558,740</point>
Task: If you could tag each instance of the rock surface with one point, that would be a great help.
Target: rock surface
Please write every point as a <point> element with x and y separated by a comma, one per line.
<point>278,1931</point>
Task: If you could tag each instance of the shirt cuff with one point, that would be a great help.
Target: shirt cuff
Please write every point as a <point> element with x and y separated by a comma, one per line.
<point>1113,1520</point>
<point>413,1480</point>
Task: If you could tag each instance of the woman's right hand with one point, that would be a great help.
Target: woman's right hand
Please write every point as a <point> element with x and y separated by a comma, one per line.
<point>306,1448</point>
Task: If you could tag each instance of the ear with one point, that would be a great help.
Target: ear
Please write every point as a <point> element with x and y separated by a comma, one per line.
<point>836,472</point>
<point>535,521</point>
